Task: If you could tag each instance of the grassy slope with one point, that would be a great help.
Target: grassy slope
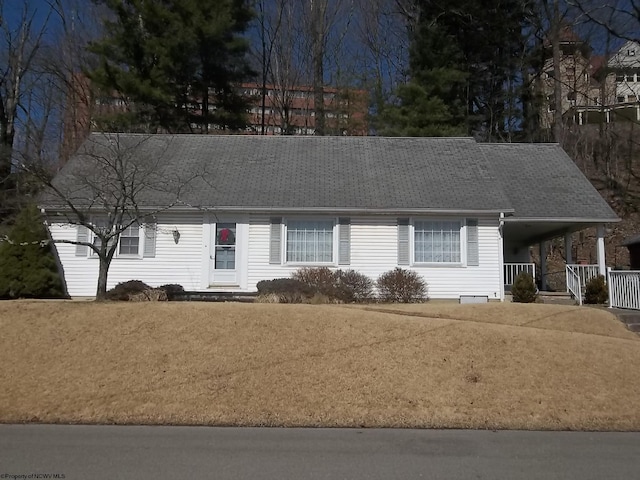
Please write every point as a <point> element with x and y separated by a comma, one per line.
<point>479,366</point>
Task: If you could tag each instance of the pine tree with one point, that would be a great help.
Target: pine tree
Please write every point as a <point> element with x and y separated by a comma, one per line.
<point>464,69</point>
<point>432,103</point>
<point>175,62</point>
<point>28,268</point>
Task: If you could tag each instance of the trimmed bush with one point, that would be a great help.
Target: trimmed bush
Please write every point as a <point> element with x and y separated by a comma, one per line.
<point>354,287</point>
<point>524,289</point>
<point>151,295</point>
<point>346,286</point>
<point>596,291</point>
<point>286,290</point>
<point>28,268</point>
<point>173,290</point>
<point>321,279</point>
<point>123,290</point>
<point>401,286</point>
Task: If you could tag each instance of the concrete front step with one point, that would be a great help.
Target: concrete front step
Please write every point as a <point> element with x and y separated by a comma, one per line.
<point>555,298</point>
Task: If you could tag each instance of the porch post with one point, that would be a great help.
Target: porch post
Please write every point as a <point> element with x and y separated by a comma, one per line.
<point>501,250</point>
<point>568,248</point>
<point>543,266</point>
<point>602,266</point>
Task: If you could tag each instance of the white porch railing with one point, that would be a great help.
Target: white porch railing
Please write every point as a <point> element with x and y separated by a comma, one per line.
<point>512,270</point>
<point>574,284</point>
<point>624,288</point>
<point>585,272</point>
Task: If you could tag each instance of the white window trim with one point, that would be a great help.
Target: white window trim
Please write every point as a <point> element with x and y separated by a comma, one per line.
<point>117,254</point>
<point>334,239</point>
<point>463,242</point>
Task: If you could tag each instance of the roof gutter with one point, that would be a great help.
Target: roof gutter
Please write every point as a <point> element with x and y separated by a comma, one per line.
<point>320,210</point>
<point>560,220</point>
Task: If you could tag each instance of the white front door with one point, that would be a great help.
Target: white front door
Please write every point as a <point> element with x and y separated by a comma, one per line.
<point>224,254</point>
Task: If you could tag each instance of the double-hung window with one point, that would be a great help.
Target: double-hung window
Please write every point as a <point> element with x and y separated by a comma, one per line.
<point>136,241</point>
<point>129,243</point>
<point>310,241</point>
<point>130,240</point>
<point>437,241</point>
<point>101,225</point>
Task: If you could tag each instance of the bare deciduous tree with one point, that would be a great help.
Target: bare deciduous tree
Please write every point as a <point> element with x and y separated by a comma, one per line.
<point>117,182</point>
<point>300,45</point>
<point>620,18</point>
<point>21,41</point>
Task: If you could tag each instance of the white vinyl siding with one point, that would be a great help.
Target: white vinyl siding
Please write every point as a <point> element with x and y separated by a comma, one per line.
<point>374,250</point>
<point>173,263</point>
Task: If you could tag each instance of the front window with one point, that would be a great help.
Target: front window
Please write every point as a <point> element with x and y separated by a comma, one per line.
<point>100,225</point>
<point>310,241</point>
<point>130,240</point>
<point>437,242</point>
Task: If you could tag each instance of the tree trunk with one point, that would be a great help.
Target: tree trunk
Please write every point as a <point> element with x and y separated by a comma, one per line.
<point>318,8</point>
<point>101,292</point>
<point>107,251</point>
<point>557,90</point>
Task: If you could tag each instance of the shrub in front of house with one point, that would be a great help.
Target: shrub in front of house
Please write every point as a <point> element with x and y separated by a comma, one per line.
<point>322,279</point>
<point>524,289</point>
<point>336,286</point>
<point>401,286</point>
<point>173,290</point>
<point>596,291</point>
<point>284,290</point>
<point>353,287</point>
<point>150,295</point>
<point>123,290</point>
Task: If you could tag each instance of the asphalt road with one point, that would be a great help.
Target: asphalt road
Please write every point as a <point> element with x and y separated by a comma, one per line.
<point>110,452</point>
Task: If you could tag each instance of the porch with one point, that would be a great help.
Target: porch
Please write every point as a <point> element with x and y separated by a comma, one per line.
<point>576,277</point>
<point>519,236</point>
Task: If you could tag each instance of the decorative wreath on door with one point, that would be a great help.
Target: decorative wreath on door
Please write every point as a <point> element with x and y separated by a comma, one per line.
<point>226,237</point>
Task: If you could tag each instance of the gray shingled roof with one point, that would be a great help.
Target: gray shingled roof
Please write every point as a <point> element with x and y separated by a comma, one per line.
<point>541,181</point>
<point>631,241</point>
<point>361,174</point>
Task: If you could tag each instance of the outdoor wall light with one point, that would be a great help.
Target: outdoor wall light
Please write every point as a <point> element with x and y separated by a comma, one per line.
<point>176,235</point>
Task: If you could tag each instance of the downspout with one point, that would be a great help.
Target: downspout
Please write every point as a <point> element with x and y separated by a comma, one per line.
<point>501,255</point>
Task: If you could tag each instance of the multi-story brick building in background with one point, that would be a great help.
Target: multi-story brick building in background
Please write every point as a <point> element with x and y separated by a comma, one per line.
<point>286,111</point>
<point>292,111</point>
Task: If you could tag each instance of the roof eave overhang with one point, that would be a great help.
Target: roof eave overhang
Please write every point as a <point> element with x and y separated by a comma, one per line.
<point>362,211</point>
<point>316,210</point>
<point>560,220</point>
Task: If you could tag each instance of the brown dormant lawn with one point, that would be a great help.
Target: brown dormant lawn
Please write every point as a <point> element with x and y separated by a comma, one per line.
<point>432,365</point>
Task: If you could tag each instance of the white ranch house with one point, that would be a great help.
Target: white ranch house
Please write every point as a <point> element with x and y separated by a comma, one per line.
<point>461,214</point>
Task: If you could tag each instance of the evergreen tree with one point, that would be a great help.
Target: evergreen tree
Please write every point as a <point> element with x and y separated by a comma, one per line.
<point>465,64</point>
<point>432,102</point>
<point>28,268</point>
<point>175,62</point>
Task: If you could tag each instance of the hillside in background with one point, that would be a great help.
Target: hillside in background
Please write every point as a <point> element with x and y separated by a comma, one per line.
<point>609,156</point>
